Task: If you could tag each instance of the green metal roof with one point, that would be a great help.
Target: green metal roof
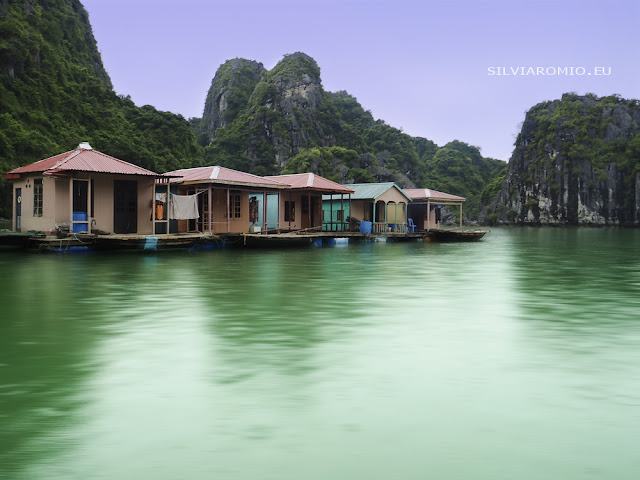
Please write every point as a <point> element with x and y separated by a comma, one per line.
<point>371,191</point>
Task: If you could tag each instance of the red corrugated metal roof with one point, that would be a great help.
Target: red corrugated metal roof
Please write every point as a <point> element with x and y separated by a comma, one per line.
<point>427,193</point>
<point>81,160</point>
<point>223,175</point>
<point>311,181</point>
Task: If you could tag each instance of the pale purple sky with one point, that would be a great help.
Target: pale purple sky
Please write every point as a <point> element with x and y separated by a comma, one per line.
<point>423,66</point>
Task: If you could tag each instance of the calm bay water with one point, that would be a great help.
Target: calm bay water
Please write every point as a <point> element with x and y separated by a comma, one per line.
<point>517,357</point>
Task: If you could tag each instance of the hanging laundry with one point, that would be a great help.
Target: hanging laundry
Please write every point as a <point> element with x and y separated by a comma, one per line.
<point>183,207</point>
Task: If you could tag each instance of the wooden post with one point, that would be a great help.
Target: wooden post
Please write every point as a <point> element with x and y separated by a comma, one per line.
<point>209,206</point>
<point>404,214</point>
<point>344,226</point>
<point>89,218</point>
<point>373,220</point>
<point>278,210</point>
<point>428,214</point>
<point>460,215</point>
<point>396,220</point>
<point>228,212</point>
<point>264,212</point>
<point>153,208</point>
<point>71,180</point>
<point>331,211</point>
<point>386,225</point>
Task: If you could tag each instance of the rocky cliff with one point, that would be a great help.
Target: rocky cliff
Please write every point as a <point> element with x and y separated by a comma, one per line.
<point>229,93</point>
<point>576,162</point>
<point>283,121</point>
<point>268,116</point>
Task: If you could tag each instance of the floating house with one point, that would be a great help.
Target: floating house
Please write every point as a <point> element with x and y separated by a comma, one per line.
<point>301,206</point>
<point>379,207</point>
<point>426,205</point>
<point>222,200</point>
<point>83,190</point>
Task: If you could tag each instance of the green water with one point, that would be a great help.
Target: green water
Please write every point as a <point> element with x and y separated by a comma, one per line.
<point>517,357</point>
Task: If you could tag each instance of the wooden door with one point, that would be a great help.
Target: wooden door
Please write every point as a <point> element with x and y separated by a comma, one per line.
<point>125,206</point>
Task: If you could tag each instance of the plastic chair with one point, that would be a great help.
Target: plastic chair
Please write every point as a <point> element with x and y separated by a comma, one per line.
<point>412,226</point>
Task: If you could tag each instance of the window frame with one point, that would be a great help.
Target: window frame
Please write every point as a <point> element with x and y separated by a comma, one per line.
<point>236,205</point>
<point>289,211</point>
<point>38,197</point>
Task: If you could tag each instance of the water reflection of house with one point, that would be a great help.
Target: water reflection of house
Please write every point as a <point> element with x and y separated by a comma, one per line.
<point>382,207</point>
<point>227,200</point>
<point>83,190</point>
<point>301,206</point>
<point>425,209</point>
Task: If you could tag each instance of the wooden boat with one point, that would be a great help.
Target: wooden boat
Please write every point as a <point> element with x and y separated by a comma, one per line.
<point>457,235</point>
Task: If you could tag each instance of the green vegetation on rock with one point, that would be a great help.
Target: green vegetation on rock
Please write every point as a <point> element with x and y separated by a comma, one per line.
<point>576,162</point>
<point>289,123</point>
<point>55,93</point>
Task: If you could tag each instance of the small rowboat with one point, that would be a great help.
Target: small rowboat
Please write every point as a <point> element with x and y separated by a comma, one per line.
<point>457,235</point>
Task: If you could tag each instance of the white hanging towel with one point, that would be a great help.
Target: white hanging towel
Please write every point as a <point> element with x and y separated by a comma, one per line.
<point>183,207</point>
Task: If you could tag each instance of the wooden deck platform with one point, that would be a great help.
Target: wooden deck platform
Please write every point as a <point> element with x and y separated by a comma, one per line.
<point>17,240</point>
<point>113,242</point>
<point>152,243</point>
<point>305,239</point>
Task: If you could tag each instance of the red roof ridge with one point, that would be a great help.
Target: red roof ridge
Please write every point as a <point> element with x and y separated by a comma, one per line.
<point>71,154</point>
<point>81,159</point>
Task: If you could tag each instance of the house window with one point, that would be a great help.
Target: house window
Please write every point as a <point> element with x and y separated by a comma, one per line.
<point>339,216</point>
<point>236,209</point>
<point>37,197</point>
<point>253,210</point>
<point>289,211</point>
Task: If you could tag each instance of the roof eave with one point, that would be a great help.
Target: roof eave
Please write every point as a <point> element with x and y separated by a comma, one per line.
<point>232,183</point>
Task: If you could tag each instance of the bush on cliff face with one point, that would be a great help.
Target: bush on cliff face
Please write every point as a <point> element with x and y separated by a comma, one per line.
<point>577,162</point>
<point>460,169</point>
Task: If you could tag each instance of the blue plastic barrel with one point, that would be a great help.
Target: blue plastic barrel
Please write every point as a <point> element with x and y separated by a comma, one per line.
<point>80,227</point>
<point>151,244</point>
<point>365,227</point>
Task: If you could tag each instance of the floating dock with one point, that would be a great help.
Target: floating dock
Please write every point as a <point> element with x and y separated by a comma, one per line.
<point>113,242</point>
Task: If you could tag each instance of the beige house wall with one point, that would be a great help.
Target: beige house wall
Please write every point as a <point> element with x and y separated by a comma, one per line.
<point>103,185</point>
<point>47,221</point>
<point>103,203</point>
<point>392,195</point>
<point>396,212</point>
<point>300,220</point>
<point>62,199</point>
<point>218,210</point>
<point>360,209</point>
<point>145,203</point>
<point>56,202</point>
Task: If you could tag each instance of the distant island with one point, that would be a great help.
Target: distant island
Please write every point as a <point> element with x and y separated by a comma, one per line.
<point>576,162</point>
